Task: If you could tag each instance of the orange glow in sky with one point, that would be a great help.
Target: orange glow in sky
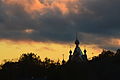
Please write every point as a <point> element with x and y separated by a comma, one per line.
<point>34,6</point>
<point>35,9</point>
<point>13,50</point>
<point>28,31</point>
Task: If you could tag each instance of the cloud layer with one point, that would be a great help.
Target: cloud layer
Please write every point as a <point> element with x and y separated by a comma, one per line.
<point>96,21</point>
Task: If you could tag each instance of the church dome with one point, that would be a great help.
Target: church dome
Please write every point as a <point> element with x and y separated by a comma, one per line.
<point>70,52</point>
<point>77,42</point>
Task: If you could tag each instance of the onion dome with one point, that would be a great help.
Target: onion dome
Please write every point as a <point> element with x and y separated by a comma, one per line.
<point>70,52</point>
<point>77,42</point>
<point>85,51</point>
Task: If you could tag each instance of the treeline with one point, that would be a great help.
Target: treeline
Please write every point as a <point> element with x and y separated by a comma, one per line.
<point>29,66</point>
<point>106,66</point>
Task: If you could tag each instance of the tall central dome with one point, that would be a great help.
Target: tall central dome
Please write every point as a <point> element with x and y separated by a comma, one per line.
<point>78,55</point>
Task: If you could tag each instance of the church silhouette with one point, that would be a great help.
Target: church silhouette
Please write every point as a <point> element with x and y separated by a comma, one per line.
<point>77,56</point>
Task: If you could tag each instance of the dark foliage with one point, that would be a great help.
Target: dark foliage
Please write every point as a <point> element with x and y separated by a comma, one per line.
<point>106,66</point>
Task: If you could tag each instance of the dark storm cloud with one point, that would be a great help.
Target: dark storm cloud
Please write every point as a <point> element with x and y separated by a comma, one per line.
<point>97,22</point>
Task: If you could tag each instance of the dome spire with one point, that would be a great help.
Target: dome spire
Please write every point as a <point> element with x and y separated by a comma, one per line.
<point>77,41</point>
<point>76,36</point>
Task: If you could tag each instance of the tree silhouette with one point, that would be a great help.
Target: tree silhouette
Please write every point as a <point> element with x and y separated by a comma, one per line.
<point>118,52</point>
<point>30,67</point>
<point>29,58</point>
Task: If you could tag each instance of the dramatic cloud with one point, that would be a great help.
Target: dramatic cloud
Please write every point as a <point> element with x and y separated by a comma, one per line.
<point>96,21</point>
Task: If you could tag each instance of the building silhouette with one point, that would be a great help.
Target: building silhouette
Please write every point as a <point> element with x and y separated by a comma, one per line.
<point>77,56</point>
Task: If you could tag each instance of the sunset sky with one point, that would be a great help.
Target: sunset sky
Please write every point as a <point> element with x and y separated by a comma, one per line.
<point>48,27</point>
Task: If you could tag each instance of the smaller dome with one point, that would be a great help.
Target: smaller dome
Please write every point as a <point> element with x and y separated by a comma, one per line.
<point>70,51</point>
<point>85,51</point>
<point>77,42</point>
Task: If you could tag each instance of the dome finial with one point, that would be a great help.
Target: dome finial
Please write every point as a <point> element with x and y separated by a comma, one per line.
<point>76,36</point>
<point>77,41</point>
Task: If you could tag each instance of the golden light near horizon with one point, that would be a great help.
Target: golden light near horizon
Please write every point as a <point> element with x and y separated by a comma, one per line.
<point>12,49</point>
